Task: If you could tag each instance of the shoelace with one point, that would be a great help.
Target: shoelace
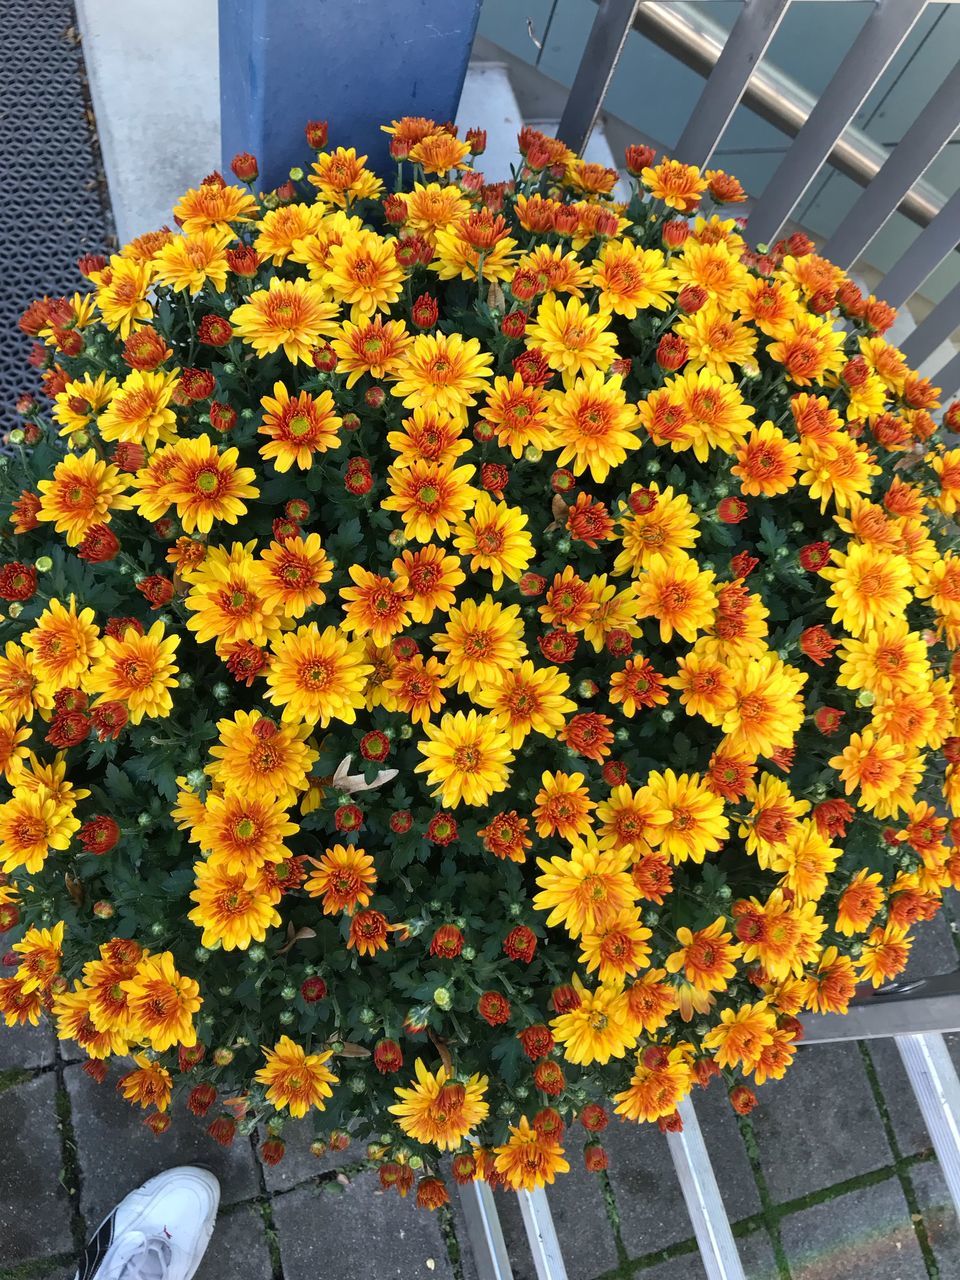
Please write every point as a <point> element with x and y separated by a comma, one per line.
<point>140,1257</point>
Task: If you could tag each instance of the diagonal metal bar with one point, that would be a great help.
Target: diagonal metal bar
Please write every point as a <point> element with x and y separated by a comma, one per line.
<point>925,254</point>
<point>747,43</point>
<point>485,1232</point>
<point>865,62</point>
<point>948,380</point>
<point>917,149</point>
<point>542,1235</point>
<point>936,328</point>
<point>601,54</point>
<point>933,1078</point>
<point>776,98</point>
<point>698,1183</point>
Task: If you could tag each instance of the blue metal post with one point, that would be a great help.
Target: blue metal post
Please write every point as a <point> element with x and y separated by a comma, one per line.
<point>356,63</point>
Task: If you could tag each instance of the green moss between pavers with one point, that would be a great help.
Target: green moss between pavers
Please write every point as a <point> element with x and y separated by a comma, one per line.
<point>14,1076</point>
<point>916,1217</point>
<point>70,1175</point>
<point>40,1268</point>
<point>771,1219</point>
<point>451,1240</point>
<point>273,1240</point>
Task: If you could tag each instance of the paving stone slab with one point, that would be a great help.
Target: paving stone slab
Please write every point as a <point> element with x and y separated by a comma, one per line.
<point>298,1163</point>
<point>238,1249</point>
<point>686,1267</point>
<point>26,1047</point>
<point>728,1155</point>
<point>905,1118</point>
<point>756,1254</point>
<point>649,1201</point>
<point>908,1124</point>
<point>865,1233</point>
<point>117,1151</point>
<point>35,1210</point>
<point>580,1217</point>
<point>59,1273</point>
<point>356,1232</point>
<point>934,949</point>
<point>468,1263</point>
<point>939,1216</point>
<point>819,1125</point>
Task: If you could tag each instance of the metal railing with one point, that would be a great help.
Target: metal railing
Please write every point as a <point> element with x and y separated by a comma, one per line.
<point>914,1014</point>
<point>822,132</point>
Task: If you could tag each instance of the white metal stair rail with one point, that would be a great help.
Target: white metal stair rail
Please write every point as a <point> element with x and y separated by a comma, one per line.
<point>823,136</point>
<point>914,1014</point>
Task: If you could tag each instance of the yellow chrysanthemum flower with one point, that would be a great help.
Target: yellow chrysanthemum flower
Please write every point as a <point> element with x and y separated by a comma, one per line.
<point>137,670</point>
<point>83,493</point>
<point>467,758</point>
<point>439,1112</point>
<point>296,1079</point>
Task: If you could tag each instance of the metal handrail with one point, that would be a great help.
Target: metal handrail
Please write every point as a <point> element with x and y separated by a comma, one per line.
<point>778,99</point>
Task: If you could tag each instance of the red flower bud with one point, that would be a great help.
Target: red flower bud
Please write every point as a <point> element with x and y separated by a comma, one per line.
<point>742,1099</point>
<point>520,944</point>
<point>549,1078</point>
<point>99,544</point>
<point>672,352</point>
<point>494,477</point>
<point>158,590</point>
<point>245,167</point>
<point>814,556</point>
<point>442,829</point>
<point>743,564</point>
<point>387,1056</point>
<point>145,350</point>
<point>317,132</point>
<point>375,746</point>
<point>223,1130</point>
<point>313,989</point>
<point>477,141</point>
<point>196,384</point>
<point>494,1008</point>
<point>99,835</point>
<point>358,479</point>
<point>243,261</point>
<point>129,456</point>
<point>17,581</point>
<point>675,234</point>
<point>532,584</point>
<point>214,330</point>
<point>732,510</point>
<point>594,1117</point>
<point>425,311</point>
<point>536,1041</point>
<point>272,1150</point>
<point>514,325</point>
<point>401,821</point>
<point>637,158</point>
<point>595,1158</point>
<point>447,942</point>
<point>691,298</point>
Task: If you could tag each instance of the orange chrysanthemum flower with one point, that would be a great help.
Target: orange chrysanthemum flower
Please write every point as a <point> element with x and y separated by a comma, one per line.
<point>344,879</point>
<point>205,484</point>
<point>375,347</point>
<point>83,493</point>
<point>292,314</point>
<point>298,427</point>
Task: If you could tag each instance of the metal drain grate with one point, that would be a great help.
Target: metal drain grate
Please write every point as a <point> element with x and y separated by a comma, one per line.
<point>52,211</point>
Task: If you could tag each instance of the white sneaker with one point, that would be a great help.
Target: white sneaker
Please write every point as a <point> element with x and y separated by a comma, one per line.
<point>158,1232</point>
